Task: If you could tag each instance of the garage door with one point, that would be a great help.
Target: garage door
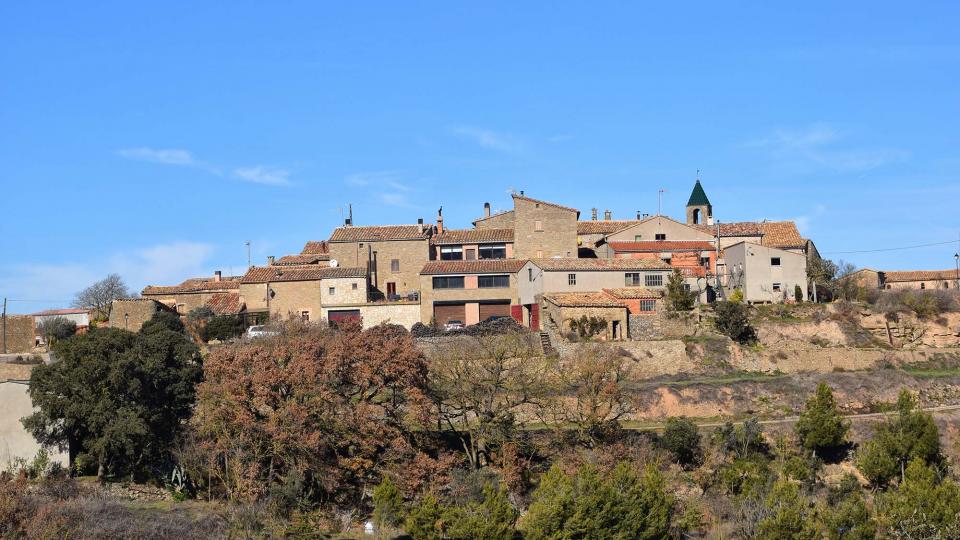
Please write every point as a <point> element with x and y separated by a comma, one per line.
<point>500,308</point>
<point>336,316</point>
<point>444,313</point>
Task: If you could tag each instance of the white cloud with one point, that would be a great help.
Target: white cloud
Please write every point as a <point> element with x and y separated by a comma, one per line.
<point>489,139</point>
<point>264,175</point>
<point>823,144</point>
<point>387,179</point>
<point>166,156</point>
<point>47,286</point>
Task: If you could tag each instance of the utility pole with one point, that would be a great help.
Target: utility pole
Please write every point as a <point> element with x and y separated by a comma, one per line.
<point>660,200</point>
<point>4,325</point>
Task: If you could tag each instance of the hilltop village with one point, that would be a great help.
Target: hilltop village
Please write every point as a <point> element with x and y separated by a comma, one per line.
<point>539,261</point>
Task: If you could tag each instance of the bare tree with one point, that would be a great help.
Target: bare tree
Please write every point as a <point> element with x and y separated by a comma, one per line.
<point>99,297</point>
<point>479,386</point>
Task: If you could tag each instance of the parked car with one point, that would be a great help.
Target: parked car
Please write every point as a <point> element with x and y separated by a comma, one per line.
<point>260,331</point>
<point>453,325</point>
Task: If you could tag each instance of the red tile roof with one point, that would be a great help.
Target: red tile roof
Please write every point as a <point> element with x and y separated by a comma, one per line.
<point>632,293</point>
<point>547,203</point>
<point>473,236</point>
<point>194,285</point>
<point>299,260</point>
<point>316,247</point>
<point>920,275</point>
<point>272,274</point>
<point>376,233</point>
<point>485,266</point>
<point>582,299</point>
<point>600,264</point>
<point>225,303</point>
<point>663,245</point>
<point>781,234</point>
<point>606,226</point>
<point>741,228</point>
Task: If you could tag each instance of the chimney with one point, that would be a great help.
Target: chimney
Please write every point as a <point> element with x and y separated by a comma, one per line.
<point>638,214</point>
<point>270,260</point>
<point>486,209</point>
<point>440,220</point>
<point>607,215</point>
<point>218,275</point>
<point>420,224</point>
<point>521,193</point>
<point>593,214</point>
<point>645,215</point>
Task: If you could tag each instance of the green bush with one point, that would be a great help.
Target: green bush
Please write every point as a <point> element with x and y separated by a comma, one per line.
<point>741,440</point>
<point>789,514</point>
<point>732,321</point>
<point>57,328</point>
<point>820,426</point>
<point>387,504</point>
<point>162,320</point>
<point>682,438</point>
<point>923,495</point>
<point>849,519</point>
<point>911,434</point>
<point>492,517</point>
<point>223,328</point>
<point>678,297</point>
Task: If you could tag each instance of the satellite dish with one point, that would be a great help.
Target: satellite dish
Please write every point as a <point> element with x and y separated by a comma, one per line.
<point>334,263</point>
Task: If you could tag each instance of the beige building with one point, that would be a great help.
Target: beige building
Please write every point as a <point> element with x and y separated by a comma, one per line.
<point>561,309</point>
<point>920,279</point>
<point>302,291</point>
<point>765,274</point>
<point>472,244</point>
<point>540,228</point>
<point>15,403</point>
<point>193,292</point>
<point>392,255</point>
<point>468,291</point>
<point>314,252</point>
<point>131,313</point>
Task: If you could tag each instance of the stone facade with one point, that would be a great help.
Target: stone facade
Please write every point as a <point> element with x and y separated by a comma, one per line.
<point>378,256</point>
<point>303,299</point>
<point>560,316</point>
<point>661,228</point>
<point>470,295</point>
<point>131,314</point>
<point>405,314</point>
<point>543,229</point>
<point>503,220</point>
<point>19,336</point>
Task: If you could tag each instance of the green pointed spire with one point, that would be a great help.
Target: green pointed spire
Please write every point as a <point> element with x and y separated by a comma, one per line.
<point>698,197</point>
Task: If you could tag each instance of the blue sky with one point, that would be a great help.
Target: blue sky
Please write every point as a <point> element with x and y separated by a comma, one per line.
<point>154,139</point>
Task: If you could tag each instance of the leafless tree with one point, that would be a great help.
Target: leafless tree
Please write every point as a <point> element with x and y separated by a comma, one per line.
<point>99,297</point>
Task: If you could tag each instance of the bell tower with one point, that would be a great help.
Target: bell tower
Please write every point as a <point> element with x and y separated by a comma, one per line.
<point>699,209</point>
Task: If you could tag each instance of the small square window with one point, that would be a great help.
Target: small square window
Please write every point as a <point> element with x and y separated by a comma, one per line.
<point>538,225</point>
<point>332,291</point>
<point>923,285</point>
<point>529,274</point>
<point>661,236</point>
<point>777,287</point>
<point>353,286</point>
<point>305,316</point>
<point>571,279</point>
<point>774,261</point>
<point>539,253</point>
<point>638,238</point>
<point>395,265</point>
<point>648,305</point>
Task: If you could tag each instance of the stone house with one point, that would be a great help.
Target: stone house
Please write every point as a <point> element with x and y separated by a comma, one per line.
<point>192,293</point>
<point>692,258</point>
<point>131,313</point>
<point>314,252</point>
<point>920,279</point>
<point>469,291</point>
<point>79,317</point>
<point>18,334</point>
<point>540,228</point>
<point>765,274</point>
<point>392,255</point>
<point>560,309</point>
<point>271,292</point>
<point>472,244</point>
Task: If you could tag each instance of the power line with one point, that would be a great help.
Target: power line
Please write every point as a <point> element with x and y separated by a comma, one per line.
<point>41,301</point>
<point>890,249</point>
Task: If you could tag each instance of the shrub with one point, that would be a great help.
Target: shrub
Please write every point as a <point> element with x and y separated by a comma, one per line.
<point>678,297</point>
<point>911,434</point>
<point>736,296</point>
<point>797,294</point>
<point>682,438</point>
<point>790,514</point>
<point>223,328</point>
<point>922,494</point>
<point>491,517</point>
<point>733,322</point>
<point>820,426</point>
<point>56,329</point>
<point>387,504</point>
<point>588,327</point>
<point>741,440</point>
<point>162,320</point>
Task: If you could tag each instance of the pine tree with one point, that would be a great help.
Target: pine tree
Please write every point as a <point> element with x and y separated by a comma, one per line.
<point>820,427</point>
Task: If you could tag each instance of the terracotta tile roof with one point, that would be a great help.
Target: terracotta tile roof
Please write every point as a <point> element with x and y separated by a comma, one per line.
<point>555,205</point>
<point>741,228</point>
<point>781,234</point>
<point>473,236</point>
<point>498,214</point>
<point>920,275</point>
<point>263,274</point>
<point>380,232</point>
<point>316,247</point>
<point>195,285</point>
<point>582,299</point>
<point>299,260</point>
<point>606,226</point>
<point>600,264</point>
<point>486,266</point>
<point>67,311</point>
<point>663,245</point>
<point>632,293</point>
<point>225,303</point>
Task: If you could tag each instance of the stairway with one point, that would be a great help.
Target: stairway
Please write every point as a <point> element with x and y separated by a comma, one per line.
<point>545,344</point>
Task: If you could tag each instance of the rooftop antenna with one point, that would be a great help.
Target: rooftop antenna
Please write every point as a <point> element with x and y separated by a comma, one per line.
<point>249,264</point>
<point>660,200</point>
<point>350,213</point>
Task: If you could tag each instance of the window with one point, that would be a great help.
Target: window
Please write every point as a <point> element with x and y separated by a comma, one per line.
<point>471,254</point>
<point>305,316</point>
<point>653,280</point>
<point>493,282</point>
<point>632,280</point>
<point>451,253</point>
<point>774,261</point>
<point>538,226</point>
<point>394,265</point>
<point>493,251</point>
<point>638,238</point>
<point>666,260</point>
<point>777,287</point>
<point>539,253</point>
<point>571,279</point>
<point>648,305</point>
<point>332,291</point>
<point>529,274</point>
<point>448,282</point>
<point>661,236</point>
<point>353,286</point>
<point>923,285</point>
<point>705,262</point>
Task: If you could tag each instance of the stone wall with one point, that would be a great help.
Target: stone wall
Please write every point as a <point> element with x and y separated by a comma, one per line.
<point>557,236</point>
<point>131,314</point>
<point>20,337</point>
<point>662,325</point>
<point>411,254</point>
<point>405,315</point>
